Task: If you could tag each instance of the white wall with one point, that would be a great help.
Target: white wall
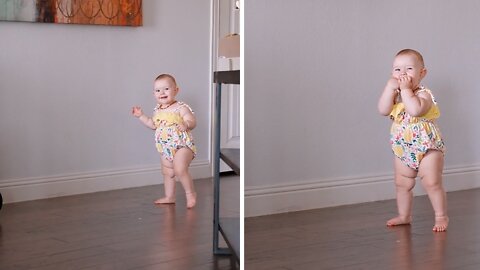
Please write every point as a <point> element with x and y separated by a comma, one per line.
<point>313,73</point>
<point>66,93</point>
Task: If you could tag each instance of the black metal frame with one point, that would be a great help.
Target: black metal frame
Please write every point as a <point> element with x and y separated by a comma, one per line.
<point>222,77</point>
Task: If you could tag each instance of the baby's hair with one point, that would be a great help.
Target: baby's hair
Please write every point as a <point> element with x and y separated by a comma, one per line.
<point>166,76</point>
<point>412,52</point>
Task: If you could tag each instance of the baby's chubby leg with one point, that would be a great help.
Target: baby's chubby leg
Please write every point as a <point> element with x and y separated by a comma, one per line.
<point>168,182</point>
<point>430,171</point>
<point>181,162</point>
<point>404,183</point>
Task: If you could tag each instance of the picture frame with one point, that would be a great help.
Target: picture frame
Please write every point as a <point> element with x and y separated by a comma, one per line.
<point>92,12</point>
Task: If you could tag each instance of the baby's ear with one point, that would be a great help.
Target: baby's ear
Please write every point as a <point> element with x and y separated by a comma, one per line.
<point>424,72</point>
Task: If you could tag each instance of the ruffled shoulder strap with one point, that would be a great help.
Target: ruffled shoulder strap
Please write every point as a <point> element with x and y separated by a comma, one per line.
<point>434,111</point>
<point>423,89</point>
<point>182,104</point>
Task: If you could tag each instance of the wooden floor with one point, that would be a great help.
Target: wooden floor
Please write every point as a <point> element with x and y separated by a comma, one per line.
<point>111,230</point>
<point>355,237</point>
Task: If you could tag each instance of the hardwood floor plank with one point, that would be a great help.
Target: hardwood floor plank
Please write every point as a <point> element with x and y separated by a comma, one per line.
<point>119,229</point>
<point>355,237</point>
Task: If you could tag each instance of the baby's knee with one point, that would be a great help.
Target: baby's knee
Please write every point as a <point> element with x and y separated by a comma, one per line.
<point>405,186</point>
<point>180,170</point>
<point>434,183</point>
<point>168,172</point>
<point>405,182</point>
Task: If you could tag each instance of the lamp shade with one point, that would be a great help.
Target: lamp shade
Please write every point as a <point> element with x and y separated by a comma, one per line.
<point>229,46</point>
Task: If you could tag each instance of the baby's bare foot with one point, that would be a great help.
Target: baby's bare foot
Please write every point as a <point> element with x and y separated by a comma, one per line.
<point>191,199</point>
<point>399,220</point>
<point>165,200</point>
<point>441,224</point>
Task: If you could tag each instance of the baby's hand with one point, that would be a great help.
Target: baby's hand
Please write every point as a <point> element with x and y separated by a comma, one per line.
<point>393,84</point>
<point>137,111</point>
<point>182,126</point>
<point>405,82</point>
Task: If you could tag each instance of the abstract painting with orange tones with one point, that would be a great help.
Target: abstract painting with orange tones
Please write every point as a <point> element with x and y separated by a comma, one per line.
<point>103,12</point>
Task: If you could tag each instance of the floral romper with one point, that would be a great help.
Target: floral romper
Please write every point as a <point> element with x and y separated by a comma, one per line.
<point>411,137</point>
<point>168,138</point>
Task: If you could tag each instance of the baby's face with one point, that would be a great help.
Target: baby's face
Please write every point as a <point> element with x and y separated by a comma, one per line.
<point>409,65</point>
<point>165,91</point>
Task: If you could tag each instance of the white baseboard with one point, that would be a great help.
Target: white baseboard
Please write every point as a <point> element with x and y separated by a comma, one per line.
<point>33,188</point>
<point>276,199</point>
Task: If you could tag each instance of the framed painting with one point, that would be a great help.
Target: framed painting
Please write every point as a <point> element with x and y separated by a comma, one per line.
<point>99,12</point>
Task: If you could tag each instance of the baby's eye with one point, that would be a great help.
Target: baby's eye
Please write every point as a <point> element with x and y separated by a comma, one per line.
<point>410,68</point>
<point>157,90</point>
<point>397,70</point>
<point>166,88</point>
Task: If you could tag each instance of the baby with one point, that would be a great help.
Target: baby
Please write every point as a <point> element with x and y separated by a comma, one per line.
<point>172,121</point>
<point>414,137</point>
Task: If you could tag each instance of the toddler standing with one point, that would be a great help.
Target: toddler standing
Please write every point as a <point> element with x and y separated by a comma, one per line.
<point>414,137</point>
<point>172,121</point>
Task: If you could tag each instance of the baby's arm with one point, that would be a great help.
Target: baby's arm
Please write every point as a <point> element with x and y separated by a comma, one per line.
<point>147,121</point>
<point>189,119</point>
<point>385,104</point>
<point>415,105</point>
